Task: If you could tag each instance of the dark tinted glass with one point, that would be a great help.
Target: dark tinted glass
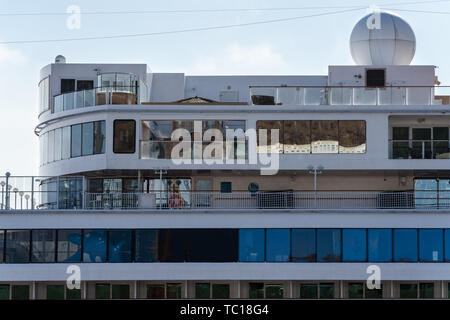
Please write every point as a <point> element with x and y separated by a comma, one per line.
<point>146,245</point>
<point>2,244</point>
<point>375,78</point>
<point>355,290</point>
<point>220,291</point>
<point>211,245</point>
<point>155,291</point>
<point>43,246</point>
<point>408,290</point>
<point>309,291</point>
<point>55,292</point>
<point>380,245</point>
<point>67,85</point>
<point>17,246</point>
<point>326,291</point>
<point>256,290</point>
<point>20,292</point>
<point>85,84</point>
<point>277,245</point>
<point>405,245</point>
<point>426,290</point>
<point>202,291</point>
<point>124,136</point>
<point>94,245</point>
<point>102,291</point>
<point>173,290</point>
<point>4,292</point>
<point>303,245</point>
<point>328,245</point>
<point>99,137</point>
<point>119,246</point>
<point>354,245</point>
<point>431,244</point>
<point>251,245</point>
<point>69,246</point>
<point>120,291</point>
<point>171,245</point>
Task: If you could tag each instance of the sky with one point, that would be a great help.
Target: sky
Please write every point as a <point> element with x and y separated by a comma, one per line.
<point>303,46</point>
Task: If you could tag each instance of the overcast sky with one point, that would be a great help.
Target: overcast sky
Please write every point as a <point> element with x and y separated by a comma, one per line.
<point>302,46</point>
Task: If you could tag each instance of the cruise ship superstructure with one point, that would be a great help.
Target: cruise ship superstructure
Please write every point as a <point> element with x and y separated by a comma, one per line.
<point>351,182</point>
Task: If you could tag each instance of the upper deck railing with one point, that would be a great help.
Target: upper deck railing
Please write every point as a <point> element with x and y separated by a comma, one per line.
<point>349,96</point>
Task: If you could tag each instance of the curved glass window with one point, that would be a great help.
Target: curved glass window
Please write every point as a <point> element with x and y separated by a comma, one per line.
<point>379,243</point>
<point>94,246</point>
<point>405,245</point>
<point>431,244</point>
<point>328,245</point>
<point>76,141</point>
<point>251,245</point>
<point>87,136</point>
<point>278,245</point>
<point>354,245</point>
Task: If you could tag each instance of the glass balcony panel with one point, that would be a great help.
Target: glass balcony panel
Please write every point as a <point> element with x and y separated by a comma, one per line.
<point>107,80</point>
<point>58,103</point>
<point>289,96</point>
<point>365,96</point>
<point>315,96</point>
<point>392,96</point>
<point>341,96</point>
<point>89,98</point>
<point>419,96</point>
<point>79,99</point>
<point>69,101</point>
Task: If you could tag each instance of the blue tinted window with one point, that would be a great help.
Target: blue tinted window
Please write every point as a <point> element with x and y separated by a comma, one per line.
<point>277,244</point>
<point>146,245</point>
<point>251,245</point>
<point>431,244</point>
<point>354,245</point>
<point>76,141</point>
<point>94,246</point>
<point>328,245</point>
<point>380,245</point>
<point>447,244</point>
<point>119,247</point>
<point>405,245</point>
<point>303,245</point>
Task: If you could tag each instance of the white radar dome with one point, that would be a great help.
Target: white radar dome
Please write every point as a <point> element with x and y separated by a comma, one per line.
<point>382,38</point>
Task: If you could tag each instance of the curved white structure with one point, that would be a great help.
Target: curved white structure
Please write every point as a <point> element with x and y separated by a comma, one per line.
<point>382,38</point>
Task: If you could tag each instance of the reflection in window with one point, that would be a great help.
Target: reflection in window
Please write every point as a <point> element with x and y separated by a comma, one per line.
<point>251,245</point>
<point>69,246</point>
<point>267,145</point>
<point>277,245</point>
<point>426,290</point>
<point>431,244</point>
<point>354,245</point>
<point>274,291</point>
<point>17,246</point>
<point>94,246</point>
<point>380,245</point>
<point>405,245</point>
<point>355,290</point>
<point>324,136</point>
<point>87,136</point>
<point>328,245</point>
<point>119,246</point>
<point>124,136</point>
<point>352,136</point>
<point>43,246</point>
<point>303,245</point>
<point>297,136</point>
<point>173,291</point>
<point>99,137</point>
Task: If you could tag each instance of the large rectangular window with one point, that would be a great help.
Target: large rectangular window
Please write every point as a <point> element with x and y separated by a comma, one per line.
<point>251,245</point>
<point>124,136</point>
<point>380,245</point>
<point>297,136</point>
<point>43,246</point>
<point>119,246</point>
<point>211,245</point>
<point>55,292</point>
<point>20,292</point>
<point>76,140</point>
<point>171,245</point>
<point>303,245</point>
<point>87,144</point>
<point>94,245</point>
<point>17,246</point>
<point>354,245</point>
<point>277,245</point>
<point>324,136</point>
<point>69,246</point>
<point>405,245</point>
<point>352,136</point>
<point>431,245</point>
<point>328,245</point>
<point>146,248</point>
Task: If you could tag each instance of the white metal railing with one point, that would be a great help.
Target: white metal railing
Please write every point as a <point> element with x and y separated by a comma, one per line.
<point>270,200</point>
